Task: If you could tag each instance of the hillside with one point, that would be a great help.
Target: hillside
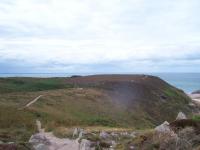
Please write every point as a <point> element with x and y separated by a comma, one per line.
<point>122,101</point>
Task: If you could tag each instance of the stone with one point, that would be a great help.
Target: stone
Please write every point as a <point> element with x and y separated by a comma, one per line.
<point>104,135</point>
<point>86,145</point>
<point>124,133</point>
<point>133,134</point>
<point>114,135</point>
<point>132,147</point>
<point>81,133</point>
<point>41,147</point>
<point>47,141</point>
<point>196,92</point>
<point>76,132</point>
<point>180,116</point>
<point>39,126</point>
<point>163,128</point>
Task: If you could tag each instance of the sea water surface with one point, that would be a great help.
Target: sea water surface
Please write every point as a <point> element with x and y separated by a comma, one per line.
<point>188,82</point>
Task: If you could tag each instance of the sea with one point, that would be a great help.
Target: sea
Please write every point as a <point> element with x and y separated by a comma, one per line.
<point>188,82</point>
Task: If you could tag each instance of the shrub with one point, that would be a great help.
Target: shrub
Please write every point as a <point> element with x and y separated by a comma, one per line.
<point>196,117</point>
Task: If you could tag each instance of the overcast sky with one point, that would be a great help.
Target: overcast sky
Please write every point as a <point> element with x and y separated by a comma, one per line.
<point>107,36</point>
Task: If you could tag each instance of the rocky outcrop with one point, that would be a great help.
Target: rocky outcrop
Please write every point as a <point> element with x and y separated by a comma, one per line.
<point>163,128</point>
<point>180,116</point>
<point>86,145</point>
<point>196,92</point>
<point>78,133</point>
<point>47,141</point>
<point>85,141</point>
<point>104,135</point>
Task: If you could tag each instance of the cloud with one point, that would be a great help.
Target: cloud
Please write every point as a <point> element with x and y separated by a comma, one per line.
<point>114,35</point>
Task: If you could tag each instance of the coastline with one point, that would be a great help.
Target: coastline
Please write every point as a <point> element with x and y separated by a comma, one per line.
<point>195,97</point>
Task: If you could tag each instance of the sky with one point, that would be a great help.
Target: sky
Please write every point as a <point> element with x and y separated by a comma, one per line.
<point>99,36</point>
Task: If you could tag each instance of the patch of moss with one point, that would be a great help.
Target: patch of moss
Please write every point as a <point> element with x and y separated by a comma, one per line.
<point>196,118</point>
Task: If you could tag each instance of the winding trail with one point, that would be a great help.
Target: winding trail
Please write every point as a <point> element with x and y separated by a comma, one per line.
<point>31,102</point>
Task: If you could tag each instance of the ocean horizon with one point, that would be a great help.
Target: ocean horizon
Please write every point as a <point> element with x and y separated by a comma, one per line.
<point>188,82</point>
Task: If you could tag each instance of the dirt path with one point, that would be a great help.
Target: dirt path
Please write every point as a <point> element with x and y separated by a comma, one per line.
<point>31,102</point>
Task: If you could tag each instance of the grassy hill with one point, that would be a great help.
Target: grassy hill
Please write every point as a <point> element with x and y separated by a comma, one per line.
<point>124,101</point>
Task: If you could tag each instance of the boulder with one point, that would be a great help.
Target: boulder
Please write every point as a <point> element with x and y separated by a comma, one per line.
<point>114,135</point>
<point>180,116</point>
<point>39,138</point>
<point>78,133</point>
<point>41,147</point>
<point>163,128</point>
<point>124,134</point>
<point>196,92</point>
<point>47,141</point>
<point>86,145</point>
<point>81,133</point>
<point>133,134</point>
<point>104,135</point>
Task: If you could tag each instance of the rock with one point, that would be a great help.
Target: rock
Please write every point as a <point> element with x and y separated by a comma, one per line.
<point>39,138</point>
<point>1,142</point>
<point>39,126</point>
<point>180,116</point>
<point>76,132</point>
<point>86,145</point>
<point>114,135</point>
<point>113,144</point>
<point>41,147</point>
<point>163,128</point>
<point>47,141</point>
<point>132,147</point>
<point>124,133</point>
<point>104,135</point>
<point>196,92</point>
<point>81,133</point>
<point>133,134</point>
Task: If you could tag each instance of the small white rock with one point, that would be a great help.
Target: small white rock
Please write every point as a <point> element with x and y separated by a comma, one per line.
<point>180,116</point>
<point>163,128</point>
<point>104,135</point>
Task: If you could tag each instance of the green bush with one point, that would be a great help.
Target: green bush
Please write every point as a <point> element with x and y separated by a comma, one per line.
<point>196,117</point>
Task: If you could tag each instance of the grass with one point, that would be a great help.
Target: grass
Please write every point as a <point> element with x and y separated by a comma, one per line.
<point>58,108</point>
<point>64,106</point>
<point>15,125</point>
<point>8,85</point>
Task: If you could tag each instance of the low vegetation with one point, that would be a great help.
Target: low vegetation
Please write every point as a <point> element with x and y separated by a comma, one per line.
<point>8,85</point>
<point>196,117</point>
<point>136,105</point>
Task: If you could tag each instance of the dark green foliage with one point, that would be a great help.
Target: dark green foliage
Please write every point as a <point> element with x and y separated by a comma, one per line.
<point>196,117</point>
<point>8,85</point>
